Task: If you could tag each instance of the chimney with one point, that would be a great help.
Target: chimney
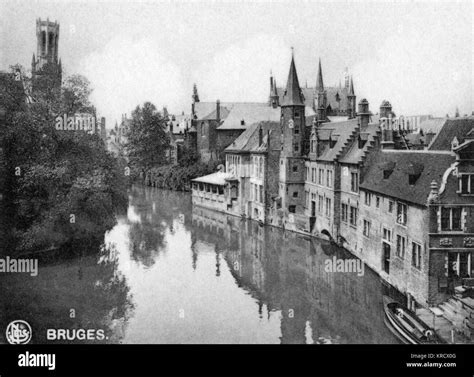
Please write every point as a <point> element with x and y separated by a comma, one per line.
<point>218,110</point>
<point>386,123</point>
<point>364,113</point>
<point>385,109</point>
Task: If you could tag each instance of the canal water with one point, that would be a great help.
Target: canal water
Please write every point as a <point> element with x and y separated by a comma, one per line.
<point>171,273</point>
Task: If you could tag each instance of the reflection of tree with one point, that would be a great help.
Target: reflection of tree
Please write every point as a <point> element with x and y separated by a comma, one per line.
<point>157,210</point>
<point>146,240</point>
<point>90,287</point>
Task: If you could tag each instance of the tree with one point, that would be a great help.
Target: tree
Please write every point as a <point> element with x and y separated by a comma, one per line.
<point>49,175</point>
<point>75,92</point>
<point>148,141</point>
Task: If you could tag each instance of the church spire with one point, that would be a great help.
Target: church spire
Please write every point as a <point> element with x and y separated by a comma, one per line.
<point>195,93</point>
<point>351,88</point>
<point>293,95</point>
<point>319,83</point>
<point>273,98</point>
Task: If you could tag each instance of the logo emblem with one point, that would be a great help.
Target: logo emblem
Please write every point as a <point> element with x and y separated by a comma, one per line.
<point>18,332</point>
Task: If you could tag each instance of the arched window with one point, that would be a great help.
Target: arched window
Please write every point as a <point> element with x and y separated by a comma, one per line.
<point>43,42</point>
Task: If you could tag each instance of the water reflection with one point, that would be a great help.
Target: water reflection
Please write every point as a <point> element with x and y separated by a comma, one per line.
<point>170,273</point>
<point>234,281</point>
<point>86,292</point>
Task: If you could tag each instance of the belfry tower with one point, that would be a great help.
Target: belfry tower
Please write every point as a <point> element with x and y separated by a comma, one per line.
<point>46,63</point>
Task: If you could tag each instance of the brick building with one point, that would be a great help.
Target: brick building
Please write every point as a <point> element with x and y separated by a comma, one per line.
<point>405,212</point>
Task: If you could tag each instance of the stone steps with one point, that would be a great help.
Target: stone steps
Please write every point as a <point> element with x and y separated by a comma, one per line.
<point>460,313</point>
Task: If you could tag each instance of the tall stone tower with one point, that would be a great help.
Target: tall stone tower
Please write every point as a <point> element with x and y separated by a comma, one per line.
<point>292,163</point>
<point>46,64</point>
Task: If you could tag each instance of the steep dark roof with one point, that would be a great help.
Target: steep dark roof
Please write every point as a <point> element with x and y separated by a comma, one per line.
<point>331,92</point>
<point>248,140</point>
<point>430,165</point>
<point>224,112</point>
<point>249,113</point>
<point>319,82</point>
<point>456,127</point>
<point>341,132</point>
<point>293,95</point>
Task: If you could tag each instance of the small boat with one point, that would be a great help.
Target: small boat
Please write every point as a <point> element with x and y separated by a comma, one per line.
<point>406,325</point>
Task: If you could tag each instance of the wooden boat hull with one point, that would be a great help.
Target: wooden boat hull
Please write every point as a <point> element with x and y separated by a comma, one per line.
<point>406,325</point>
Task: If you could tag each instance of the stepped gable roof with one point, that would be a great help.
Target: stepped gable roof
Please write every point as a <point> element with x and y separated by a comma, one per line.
<point>340,131</point>
<point>354,154</point>
<point>248,140</point>
<point>430,165</point>
<point>452,128</point>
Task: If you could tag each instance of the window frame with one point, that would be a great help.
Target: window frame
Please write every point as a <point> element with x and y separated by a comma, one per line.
<point>399,251</point>
<point>416,257</point>
<point>404,213</point>
<point>366,228</point>
<point>354,182</point>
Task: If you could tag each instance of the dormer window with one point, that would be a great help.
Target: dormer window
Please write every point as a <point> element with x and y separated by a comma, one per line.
<point>466,183</point>
<point>388,169</point>
<point>414,171</point>
<point>412,178</point>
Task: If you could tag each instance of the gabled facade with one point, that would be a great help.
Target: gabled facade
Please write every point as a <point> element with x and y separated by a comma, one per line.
<point>451,225</point>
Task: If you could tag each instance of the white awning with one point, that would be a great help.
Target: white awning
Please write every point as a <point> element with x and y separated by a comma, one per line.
<point>218,178</point>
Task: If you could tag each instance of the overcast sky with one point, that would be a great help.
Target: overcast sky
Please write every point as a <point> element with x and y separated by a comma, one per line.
<point>418,55</point>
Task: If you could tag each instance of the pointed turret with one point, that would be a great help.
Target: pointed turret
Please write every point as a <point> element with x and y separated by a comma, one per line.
<point>195,94</point>
<point>293,95</point>
<point>351,88</point>
<point>274,99</point>
<point>319,83</point>
<point>321,97</point>
<point>351,110</point>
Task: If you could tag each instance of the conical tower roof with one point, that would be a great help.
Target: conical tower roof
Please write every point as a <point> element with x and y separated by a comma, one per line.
<point>351,88</point>
<point>293,95</point>
<point>319,83</point>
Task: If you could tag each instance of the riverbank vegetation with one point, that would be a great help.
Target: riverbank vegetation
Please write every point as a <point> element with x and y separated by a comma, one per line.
<point>148,149</point>
<point>59,189</point>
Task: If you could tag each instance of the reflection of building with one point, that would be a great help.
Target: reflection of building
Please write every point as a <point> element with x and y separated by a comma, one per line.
<point>285,273</point>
